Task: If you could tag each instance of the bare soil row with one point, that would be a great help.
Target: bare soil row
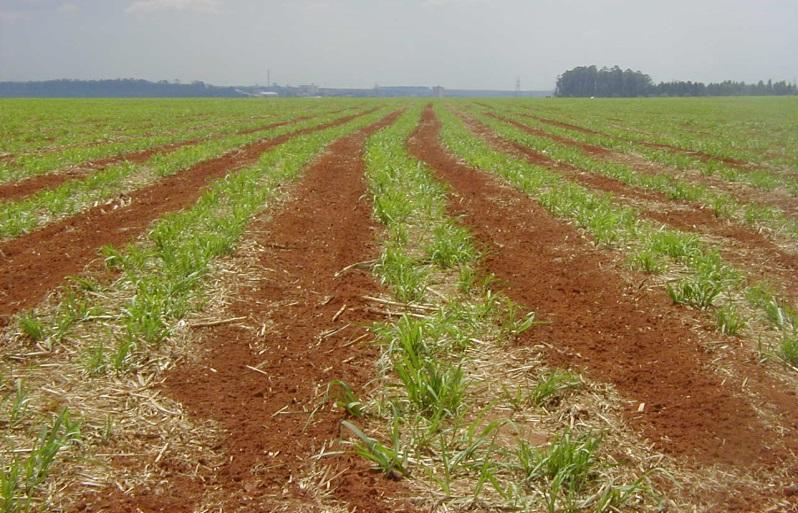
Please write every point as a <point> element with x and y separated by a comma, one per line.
<point>599,323</point>
<point>740,245</point>
<point>37,262</point>
<point>276,417</point>
<point>701,155</point>
<point>781,199</point>
<point>28,186</point>
<point>263,380</point>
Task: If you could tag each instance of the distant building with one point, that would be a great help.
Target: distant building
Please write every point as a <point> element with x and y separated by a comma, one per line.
<point>308,90</point>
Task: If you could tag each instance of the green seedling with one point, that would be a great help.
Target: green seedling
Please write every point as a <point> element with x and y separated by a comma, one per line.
<point>95,360</point>
<point>729,321</point>
<point>568,460</point>
<point>698,293</point>
<point>550,388</point>
<point>515,324</point>
<point>451,246</point>
<point>390,460</point>
<point>345,398</point>
<point>435,388</point>
<point>788,350</point>
<point>646,261</point>
<point>401,272</point>
<point>32,327</point>
<point>18,404</point>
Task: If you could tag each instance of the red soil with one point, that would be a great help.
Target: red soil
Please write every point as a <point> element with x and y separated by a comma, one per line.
<point>590,149</point>
<point>700,155</point>
<point>37,262</point>
<point>618,333</point>
<point>779,198</point>
<point>33,184</point>
<point>569,126</point>
<point>274,423</point>
<point>746,248</point>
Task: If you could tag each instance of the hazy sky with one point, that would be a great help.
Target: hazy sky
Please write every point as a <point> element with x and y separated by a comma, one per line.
<point>357,43</point>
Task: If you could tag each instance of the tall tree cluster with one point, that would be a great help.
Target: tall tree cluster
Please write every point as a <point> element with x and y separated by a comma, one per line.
<point>588,81</point>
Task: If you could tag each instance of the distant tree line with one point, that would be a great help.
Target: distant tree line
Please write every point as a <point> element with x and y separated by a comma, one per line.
<point>120,88</point>
<point>134,88</point>
<point>608,82</point>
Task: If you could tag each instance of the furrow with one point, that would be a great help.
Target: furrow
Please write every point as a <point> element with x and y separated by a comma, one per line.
<point>594,320</point>
<point>271,401</point>
<point>28,186</point>
<point>740,245</point>
<point>742,187</point>
<point>37,262</point>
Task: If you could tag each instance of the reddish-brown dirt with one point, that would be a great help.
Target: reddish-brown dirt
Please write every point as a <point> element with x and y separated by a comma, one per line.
<point>700,155</point>
<point>37,262</point>
<point>590,149</point>
<point>275,422</point>
<point>26,187</point>
<point>780,198</point>
<point>146,130</point>
<point>745,248</point>
<point>569,126</point>
<point>618,333</point>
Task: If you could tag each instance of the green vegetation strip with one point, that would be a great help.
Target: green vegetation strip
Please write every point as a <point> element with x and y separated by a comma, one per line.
<point>162,278</point>
<point>433,399</point>
<point>764,179</point>
<point>709,279</point>
<point>25,215</point>
<point>191,123</point>
<point>722,204</point>
<point>758,130</point>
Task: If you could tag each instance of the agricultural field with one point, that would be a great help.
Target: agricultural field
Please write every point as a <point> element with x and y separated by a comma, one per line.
<point>379,305</point>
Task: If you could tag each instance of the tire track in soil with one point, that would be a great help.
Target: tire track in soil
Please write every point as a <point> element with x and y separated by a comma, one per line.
<point>37,262</point>
<point>31,185</point>
<point>744,247</point>
<point>270,431</point>
<point>744,192</point>
<point>635,340</point>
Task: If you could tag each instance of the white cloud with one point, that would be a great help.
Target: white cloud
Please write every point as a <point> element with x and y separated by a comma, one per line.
<point>145,6</point>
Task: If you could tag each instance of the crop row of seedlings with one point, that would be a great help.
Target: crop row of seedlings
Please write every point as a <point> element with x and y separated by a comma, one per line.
<point>694,273</point>
<point>111,183</point>
<point>100,346</point>
<point>472,421</point>
<point>724,205</point>
<point>760,178</point>
<point>36,125</point>
<point>169,130</point>
<point>755,130</point>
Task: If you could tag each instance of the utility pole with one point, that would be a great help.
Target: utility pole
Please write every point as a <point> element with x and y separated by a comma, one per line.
<point>518,86</point>
<point>268,77</point>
